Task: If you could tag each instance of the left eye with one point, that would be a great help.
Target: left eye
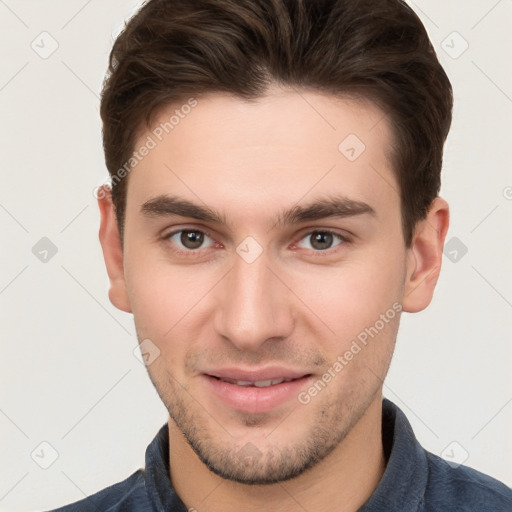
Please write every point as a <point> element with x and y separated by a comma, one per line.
<point>321,240</point>
<point>188,238</point>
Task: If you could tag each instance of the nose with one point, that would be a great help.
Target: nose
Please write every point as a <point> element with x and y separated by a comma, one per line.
<point>254,305</point>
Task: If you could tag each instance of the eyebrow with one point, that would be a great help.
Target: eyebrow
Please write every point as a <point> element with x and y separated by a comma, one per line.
<point>332,206</point>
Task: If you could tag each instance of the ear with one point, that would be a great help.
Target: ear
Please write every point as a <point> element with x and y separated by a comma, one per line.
<point>424,257</point>
<point>112,250</point>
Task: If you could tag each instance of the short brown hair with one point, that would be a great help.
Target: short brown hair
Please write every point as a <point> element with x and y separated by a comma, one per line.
<point>171,50</point>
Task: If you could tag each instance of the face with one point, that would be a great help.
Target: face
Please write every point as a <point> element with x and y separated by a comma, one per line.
<point>266,264</point>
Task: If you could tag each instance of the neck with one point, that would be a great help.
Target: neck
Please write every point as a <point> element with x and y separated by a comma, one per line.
<point>341,482</point>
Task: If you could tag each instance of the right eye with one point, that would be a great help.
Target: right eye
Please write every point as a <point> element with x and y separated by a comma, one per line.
<point>188,240</point>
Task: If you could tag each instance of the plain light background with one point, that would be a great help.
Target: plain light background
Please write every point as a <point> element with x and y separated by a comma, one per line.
<point>69,376</point>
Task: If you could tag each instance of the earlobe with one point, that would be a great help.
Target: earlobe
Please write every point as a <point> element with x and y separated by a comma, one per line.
<point>424,257</point>
<point>112,250</point>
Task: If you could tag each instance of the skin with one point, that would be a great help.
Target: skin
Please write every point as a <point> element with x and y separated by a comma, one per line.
<point>295,306</point>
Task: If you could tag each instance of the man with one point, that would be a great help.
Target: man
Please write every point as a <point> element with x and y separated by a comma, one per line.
<point>274,208</point>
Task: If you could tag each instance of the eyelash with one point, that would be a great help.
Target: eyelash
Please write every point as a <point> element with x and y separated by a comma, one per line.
<point>193,252</point>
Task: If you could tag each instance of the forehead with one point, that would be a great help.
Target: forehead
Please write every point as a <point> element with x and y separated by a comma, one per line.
<point>277,150</point>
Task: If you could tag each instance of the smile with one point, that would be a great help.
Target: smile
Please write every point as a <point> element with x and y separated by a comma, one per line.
<point>265,392</point>
<point>258,384</point>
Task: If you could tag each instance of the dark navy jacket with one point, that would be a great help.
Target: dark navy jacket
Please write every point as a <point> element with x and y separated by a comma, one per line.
<point>414,480</point>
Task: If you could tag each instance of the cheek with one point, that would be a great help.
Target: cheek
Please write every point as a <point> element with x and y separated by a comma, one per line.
<point>353,295</point>
<point>156,293</point>
<point>169,303</point>
<point>160,316</point>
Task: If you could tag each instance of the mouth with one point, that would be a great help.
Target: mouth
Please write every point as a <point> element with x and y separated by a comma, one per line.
<point>258,384</point>
<point>256,392</point>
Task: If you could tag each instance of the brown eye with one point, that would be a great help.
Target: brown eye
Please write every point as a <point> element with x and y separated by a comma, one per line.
<point>188,239</point>
<point>192,239</point>
<point>321,240</point>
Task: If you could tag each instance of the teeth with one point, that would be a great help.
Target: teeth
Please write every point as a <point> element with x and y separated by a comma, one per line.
<point>258,384</point>
<point>263,383</point>
<point>242,382</point>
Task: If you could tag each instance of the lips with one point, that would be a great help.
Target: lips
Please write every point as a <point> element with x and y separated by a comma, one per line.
<point>258,384</point>
<point>256,375</point>
<point>255,391</point>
